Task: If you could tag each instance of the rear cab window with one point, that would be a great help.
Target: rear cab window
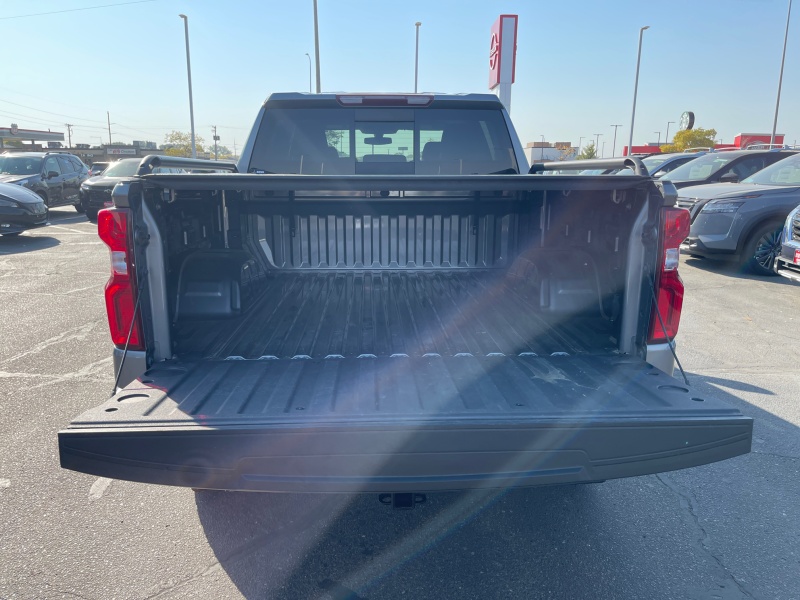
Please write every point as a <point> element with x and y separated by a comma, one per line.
<point>392,141</point>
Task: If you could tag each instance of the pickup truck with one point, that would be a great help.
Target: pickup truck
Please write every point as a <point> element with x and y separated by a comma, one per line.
<point>380,297</point>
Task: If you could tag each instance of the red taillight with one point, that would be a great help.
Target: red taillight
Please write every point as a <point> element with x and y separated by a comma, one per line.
<point>113,228</point>
<point>669,287</point>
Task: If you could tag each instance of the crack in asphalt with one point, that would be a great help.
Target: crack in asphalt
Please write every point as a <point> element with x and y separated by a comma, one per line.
<point>77,334</point>
<point>776,455</point>
<point>62,593</point>
<point>689,503</point>
<point>171,587</point>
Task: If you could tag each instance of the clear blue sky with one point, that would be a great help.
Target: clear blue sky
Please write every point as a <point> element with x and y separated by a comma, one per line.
<point>575,62</point>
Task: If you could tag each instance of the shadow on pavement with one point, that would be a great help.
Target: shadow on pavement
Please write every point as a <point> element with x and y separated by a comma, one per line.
<point>732,269</point>
<point>729,383</point>
<point>19,244</point>
<point>662,536</point>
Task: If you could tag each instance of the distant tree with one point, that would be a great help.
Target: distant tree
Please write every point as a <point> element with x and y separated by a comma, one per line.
<point>223,152</point>
<point>589,151</point>
<point>13,144</point>
<point>567,153</point>
<point>691,138</point>
<point>179,143</point>
<point>334,138</point>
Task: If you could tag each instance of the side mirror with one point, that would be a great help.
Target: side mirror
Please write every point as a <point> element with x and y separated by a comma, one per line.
<point>51,174</point>
<point>729,178</point>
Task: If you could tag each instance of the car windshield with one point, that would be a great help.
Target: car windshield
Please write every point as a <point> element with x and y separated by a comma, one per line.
<point>783,172</point>
<point>700,168</point>
<point>383,141</point>
<point>123,168</point>
<point>652,162</point>
<point>20,165</point>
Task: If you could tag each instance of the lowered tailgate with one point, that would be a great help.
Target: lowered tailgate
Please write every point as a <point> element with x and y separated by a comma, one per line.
<point>394,424</point>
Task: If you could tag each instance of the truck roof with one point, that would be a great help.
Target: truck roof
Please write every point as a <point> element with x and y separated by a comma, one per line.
<point>293,99</point>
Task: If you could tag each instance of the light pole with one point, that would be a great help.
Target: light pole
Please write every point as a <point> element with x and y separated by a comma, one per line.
<point>416,57</point>
<point>580,142</point>
<point>780,78</point>
<point>309,72</point>
<point>666,137</point>
<point>614,145</point>
<point>316,44</point>
<point>189,72</point>
<point>308,56</point>
<point>636,88</point>
<point>542,154</point>
<point>596,143</point>
<point>658,143</point>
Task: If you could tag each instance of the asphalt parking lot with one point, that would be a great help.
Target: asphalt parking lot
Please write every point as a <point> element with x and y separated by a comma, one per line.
<point>724,531</point>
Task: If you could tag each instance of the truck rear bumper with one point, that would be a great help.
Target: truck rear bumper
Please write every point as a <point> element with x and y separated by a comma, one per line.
<point>379,425</point>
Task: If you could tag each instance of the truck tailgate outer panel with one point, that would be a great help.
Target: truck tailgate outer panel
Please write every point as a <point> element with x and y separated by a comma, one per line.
<point>401,424</point>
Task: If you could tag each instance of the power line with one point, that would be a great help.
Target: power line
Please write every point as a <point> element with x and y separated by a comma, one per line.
<point>48,122</point>
<point>49,112</point>
<point>57,12</point>
<point>50,100</point>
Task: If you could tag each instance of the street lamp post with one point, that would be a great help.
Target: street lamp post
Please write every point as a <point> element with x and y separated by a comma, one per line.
<point>316,45</point>
<point>542,157</point>
<point>666,137</point>
<point>189,72</point>
<point>580,142</point>
<point>614,145</point>
<point>636,88</point>
<point>780,78</point>
<point>309,72</point>
<point>596,142</point>
<point>416,57</point>
<point>658,143</point>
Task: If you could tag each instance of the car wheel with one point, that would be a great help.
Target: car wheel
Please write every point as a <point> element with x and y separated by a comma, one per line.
<point>79,208</point>
<point>761,249</point>
<point>91,215</point>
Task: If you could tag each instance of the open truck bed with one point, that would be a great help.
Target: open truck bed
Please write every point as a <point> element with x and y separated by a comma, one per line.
<point>396,334</point>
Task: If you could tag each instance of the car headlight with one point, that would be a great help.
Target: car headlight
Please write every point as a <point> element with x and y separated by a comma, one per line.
<point>787,227</point>
<point>84,187</point>
<point>721,206</point>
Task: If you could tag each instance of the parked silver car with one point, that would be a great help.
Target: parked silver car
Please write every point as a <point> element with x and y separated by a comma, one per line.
<point>743,220</point>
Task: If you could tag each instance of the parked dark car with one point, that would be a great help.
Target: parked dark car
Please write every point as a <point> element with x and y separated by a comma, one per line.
<point>96,191</point>
<point>743,220</point>
<point>20,209</point>
<point>725,166</point>
<point>659,165</point>
<point>55,176</point>
<point>787,263</point>
<point>97,168</point>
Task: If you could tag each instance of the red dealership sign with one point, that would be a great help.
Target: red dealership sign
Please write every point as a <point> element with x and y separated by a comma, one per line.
<point>503,51</point>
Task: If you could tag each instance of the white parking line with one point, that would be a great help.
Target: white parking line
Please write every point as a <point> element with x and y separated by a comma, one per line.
<point>99,488</point>
<point>71,230</point>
